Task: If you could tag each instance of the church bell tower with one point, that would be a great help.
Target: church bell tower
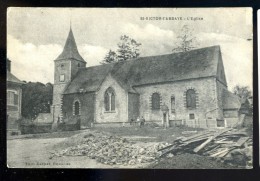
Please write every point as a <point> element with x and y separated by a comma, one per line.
<point>66,65</point>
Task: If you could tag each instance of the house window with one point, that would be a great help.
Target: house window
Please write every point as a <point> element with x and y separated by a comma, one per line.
<point>192,116</point>
<point>62,78</point>
<point>155,101</point>
<point>12,98</point>
<point>173,104</point>
<point>76,108</point>
<point>62,66</point>
<point>78,64</point>
<point>110,100</point>
<point>191,99</point>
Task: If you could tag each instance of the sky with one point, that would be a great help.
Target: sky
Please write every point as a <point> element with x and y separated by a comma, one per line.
<point>36,36</point>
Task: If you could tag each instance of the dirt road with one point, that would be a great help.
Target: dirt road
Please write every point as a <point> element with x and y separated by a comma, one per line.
<point>34,153</point>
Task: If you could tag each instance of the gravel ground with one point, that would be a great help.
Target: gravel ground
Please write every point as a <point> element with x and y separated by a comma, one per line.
<point>35,153</point>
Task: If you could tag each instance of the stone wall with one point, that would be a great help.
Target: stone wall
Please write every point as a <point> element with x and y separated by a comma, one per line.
<point>230,122</point>
<point>62,67</point>
<point>121,101</point>
<point>87,108</point>
<point>69,69</point>
<point>206,99</point>
<point>57,100</point>
<point>220,88</point>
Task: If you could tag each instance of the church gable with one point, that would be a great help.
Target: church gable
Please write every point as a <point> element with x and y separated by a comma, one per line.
<point>111,100</point>
<point>110,82</point>
<point>88,79</point>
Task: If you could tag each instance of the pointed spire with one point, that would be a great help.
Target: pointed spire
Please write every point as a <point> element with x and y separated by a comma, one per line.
<point>70,50</point>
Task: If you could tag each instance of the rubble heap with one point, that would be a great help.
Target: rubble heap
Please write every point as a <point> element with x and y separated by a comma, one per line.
<point>108,149</point>
<point>232,145</point>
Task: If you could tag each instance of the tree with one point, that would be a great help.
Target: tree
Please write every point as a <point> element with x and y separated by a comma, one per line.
<point>187,41</point>
<point>128,48</point>
<point>242,92</point>
<point>36,98</point>
<point>111,57</point>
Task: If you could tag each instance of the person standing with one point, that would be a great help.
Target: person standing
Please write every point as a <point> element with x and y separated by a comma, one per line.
<point>138,120</point>
<point>132,121</point>
<point>142,122</point>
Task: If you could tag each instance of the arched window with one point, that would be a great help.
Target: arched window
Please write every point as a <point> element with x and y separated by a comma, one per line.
<point>191,99</point>
<point>76,108</point>
<point>173,103</point>
<point>113,106</point>
<point>155,101</point>
<point>110,100</point>
<point>107,104</point>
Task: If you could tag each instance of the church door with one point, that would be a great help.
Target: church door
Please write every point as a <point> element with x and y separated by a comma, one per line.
<point>164,119</point>
<point>76,108</point>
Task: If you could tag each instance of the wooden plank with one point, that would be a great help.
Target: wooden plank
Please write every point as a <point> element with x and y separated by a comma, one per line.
<point>197,149</point>
<point>241,141</point>
<point>237,133</point>
<point>195,140</point>
<point>166,147</point>
<point>221,139</point>
<point>195,136</point>
<point>203,144</point>
<point>199,139</point>
<point>224,142</point>
<point>168,151</point>
<point>219,153</point>
<point>223,154</point>
<point>213,150</point>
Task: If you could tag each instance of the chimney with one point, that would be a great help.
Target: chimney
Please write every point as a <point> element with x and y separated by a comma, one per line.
<point>8,65</point>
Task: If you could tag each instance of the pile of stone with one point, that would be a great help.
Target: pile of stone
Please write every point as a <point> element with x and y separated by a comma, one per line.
<point>232,145</point>
<point>113,150</point>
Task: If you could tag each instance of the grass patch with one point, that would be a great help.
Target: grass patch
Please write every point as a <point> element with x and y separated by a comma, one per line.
<point>160,133</point>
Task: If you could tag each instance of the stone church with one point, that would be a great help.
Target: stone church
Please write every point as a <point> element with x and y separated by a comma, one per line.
<point>187,88</point>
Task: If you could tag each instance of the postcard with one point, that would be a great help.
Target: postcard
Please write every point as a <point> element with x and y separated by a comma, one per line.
<point>164,88</point>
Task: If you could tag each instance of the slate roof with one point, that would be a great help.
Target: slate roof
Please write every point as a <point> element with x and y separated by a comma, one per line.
<point>230,100</point>
<point>12,78</point>
<point>148,70</point>
<point>89,79</point>
<point>70,50</point>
